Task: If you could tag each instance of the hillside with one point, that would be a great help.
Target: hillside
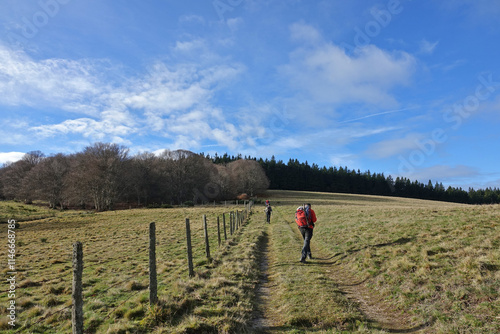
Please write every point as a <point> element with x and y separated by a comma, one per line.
<point>379,264</point>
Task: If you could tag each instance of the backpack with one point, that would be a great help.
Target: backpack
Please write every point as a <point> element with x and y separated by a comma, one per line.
<point>301,217</point>
<point>308,214</point>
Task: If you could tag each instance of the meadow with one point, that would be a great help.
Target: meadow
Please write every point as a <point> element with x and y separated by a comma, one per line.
<point>380,264</point>
<point>385,264</point>
<point>115,277</point>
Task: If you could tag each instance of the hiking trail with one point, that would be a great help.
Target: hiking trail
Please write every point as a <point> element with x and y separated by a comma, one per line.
<point>261,323</point>
<point>377,311</point>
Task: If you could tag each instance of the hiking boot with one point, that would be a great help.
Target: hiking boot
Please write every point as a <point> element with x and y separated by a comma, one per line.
<point>309,256</point>
<point>303,259</point>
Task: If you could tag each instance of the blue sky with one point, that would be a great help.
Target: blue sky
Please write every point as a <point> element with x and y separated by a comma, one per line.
<point>407,88</point>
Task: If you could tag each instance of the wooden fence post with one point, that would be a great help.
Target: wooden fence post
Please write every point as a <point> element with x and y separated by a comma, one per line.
<point>224,224</point>
<point>207,244</point>
<point>153,283</point>
<point>189,249</point>
<point>218,230</point>
<point>237,220</point>
<point>231,222</point>
<point>76,296</point>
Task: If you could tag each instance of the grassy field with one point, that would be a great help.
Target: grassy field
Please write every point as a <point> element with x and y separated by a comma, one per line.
<point>387,264</point>
<point>115,277</point>
<point>380,265</point>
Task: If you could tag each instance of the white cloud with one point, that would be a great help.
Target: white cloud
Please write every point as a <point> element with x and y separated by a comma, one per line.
<point>192,19</point>
<point>392,147</point>
<point>89,128</point>
<point>10,157</point>
<point>345,159</point>
<point>427,47</point>
<point>329,75</point>
<point>302,32</point>
<point>450,65</point>
<point>52,82</point>
<point>189,46</point>
<point>172,100</point>
<point>234,23</point>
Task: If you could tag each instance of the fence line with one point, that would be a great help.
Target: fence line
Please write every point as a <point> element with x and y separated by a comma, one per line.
<point>236,219</point>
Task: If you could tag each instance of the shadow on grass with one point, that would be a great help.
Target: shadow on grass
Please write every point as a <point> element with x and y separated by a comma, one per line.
<point>307,329</point>
<point>343,255</point>
<point>402,330</point>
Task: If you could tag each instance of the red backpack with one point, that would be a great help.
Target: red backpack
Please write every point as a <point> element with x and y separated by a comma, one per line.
<point>301,217</point>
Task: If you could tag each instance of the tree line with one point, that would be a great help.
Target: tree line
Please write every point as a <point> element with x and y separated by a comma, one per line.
<point>104,176</point>
<point>295,175</point>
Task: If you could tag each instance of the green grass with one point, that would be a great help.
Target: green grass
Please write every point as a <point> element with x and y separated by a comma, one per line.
<point>21,212</point>
<point>115,277</point>
<point>435,263</point>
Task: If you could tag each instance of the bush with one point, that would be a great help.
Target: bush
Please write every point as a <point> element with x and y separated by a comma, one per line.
<point>188,203</point>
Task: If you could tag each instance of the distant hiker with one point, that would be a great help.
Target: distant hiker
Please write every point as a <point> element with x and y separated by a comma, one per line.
<point>267,202</point>
<point>305,217</point>
<point>268,210</point>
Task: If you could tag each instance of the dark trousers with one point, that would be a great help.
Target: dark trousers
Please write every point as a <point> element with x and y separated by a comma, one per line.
<point>307,234</point>
<point>268,215</point>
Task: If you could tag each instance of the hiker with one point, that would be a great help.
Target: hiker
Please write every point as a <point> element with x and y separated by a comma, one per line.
<point>268,211</point>
<point>305,217</point>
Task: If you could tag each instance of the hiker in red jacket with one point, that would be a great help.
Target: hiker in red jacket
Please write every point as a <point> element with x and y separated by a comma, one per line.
<point>305,218</point>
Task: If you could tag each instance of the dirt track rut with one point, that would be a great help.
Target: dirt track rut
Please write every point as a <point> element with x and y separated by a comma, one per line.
<point>261,323</point>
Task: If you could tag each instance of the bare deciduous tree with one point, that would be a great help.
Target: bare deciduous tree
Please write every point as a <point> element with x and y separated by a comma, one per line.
<point>47,180</point>
<point>98,174</point>
<point>187,173</point>
<point>249,175</point>
<point>15,184</point>
<point>104,174</point>
<point>224,180</point>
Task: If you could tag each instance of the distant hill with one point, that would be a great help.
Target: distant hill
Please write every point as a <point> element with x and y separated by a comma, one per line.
<point>295,175</point>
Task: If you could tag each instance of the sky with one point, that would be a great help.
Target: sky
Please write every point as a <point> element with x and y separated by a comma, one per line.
<point>400,87</point>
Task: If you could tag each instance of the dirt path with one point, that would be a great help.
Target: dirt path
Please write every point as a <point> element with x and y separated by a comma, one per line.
<point>378,312</point>
<point>261,323</point>
<point>381,314</point>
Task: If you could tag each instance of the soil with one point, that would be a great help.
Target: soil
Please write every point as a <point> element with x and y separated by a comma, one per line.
<point>261,323</point>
